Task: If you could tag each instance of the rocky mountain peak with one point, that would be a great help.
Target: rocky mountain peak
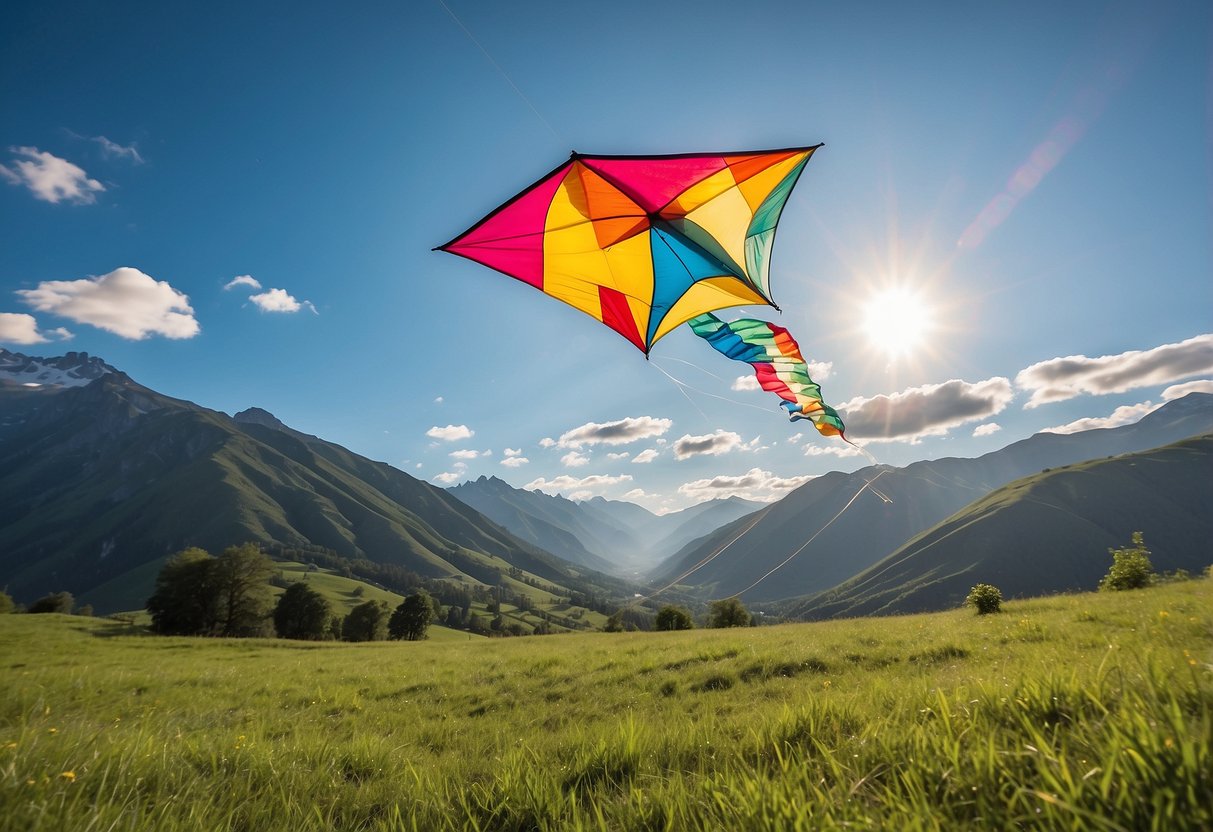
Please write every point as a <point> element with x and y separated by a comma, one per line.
<point>258,416</point>
<point>73,369</point>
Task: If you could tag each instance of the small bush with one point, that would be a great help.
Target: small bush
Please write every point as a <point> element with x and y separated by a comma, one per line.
<point>673,618</point>
<point>985,598</point>
<point>1131,567</point>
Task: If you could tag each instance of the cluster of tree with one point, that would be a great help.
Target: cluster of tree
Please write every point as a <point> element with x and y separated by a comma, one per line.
<point>230,595</point>
<point>56,602</point>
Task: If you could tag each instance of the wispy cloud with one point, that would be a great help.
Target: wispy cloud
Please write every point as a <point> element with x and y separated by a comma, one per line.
<point>279,300</point>
<point>929,410</point>
<point>615,457</point>
<point>596,483</point>
<point>19,328</point>
<point>242,280</point>
<point>755,484</point>
<point>1059,379</point>
<point>987,429</point>
<point>126,302</point>
<point>114,150</point>
<point>1126,415</point>
<point>619,432</point>
<point>645,457</point>
<point>712,444</point>
<point>50,178</point>
<point>450,433</point>
<point>467,454</point>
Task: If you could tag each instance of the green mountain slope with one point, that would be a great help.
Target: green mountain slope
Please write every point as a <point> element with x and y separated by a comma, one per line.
<point>910,500</point>
<point>1046,533</point>
<point>101,481</point>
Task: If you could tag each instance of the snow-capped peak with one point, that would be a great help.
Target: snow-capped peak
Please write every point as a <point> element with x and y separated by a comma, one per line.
<point>75,369</point>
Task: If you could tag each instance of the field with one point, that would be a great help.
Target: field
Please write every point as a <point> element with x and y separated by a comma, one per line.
<point>1071,712</point>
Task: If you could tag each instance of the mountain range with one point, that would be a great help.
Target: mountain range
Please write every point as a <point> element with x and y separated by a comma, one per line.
<point>838,525</point>
<point>607,535</point>
<point>101,482</point>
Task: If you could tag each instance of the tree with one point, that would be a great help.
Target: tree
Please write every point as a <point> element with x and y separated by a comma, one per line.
<point>185,601</point>
<point>302,613</point>
<point>1131,567</point>
<point>60,602</point>
<point>242,575</point>
<point>985,598</point>
<point>366,622</point>
<point>671,617</point>
<point>614,624</point>
<point>729,612</point>
<point>412,618</point>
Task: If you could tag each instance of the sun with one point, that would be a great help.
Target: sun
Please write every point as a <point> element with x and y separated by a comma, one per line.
<point>896,321</point>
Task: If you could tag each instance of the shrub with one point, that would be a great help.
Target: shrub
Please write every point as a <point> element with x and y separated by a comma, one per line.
<point>1131,567</point>
<point>6,603</point>
<point>60,602</point>
<point>985,598</point>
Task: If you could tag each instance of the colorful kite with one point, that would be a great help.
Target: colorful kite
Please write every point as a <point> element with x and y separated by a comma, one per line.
<point>646,243</point>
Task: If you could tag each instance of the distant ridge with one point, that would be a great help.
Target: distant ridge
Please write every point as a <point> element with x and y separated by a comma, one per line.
<point>1046,533</point>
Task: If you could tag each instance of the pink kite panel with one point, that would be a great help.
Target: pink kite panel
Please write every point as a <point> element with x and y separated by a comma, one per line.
<point>654,182</point>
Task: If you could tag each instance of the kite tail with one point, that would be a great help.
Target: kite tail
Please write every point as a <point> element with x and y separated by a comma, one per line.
<point>778,364</point>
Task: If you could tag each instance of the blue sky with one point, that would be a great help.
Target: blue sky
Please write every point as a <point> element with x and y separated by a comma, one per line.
<point>1033,177</point>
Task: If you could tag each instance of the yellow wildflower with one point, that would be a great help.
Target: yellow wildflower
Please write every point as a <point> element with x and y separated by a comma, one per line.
<point>69,776</point>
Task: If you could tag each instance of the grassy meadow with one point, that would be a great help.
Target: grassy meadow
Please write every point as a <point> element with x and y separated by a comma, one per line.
<point>1072,712</point>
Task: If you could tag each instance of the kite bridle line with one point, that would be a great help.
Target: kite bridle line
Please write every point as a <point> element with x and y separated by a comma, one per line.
<point>829,522</point>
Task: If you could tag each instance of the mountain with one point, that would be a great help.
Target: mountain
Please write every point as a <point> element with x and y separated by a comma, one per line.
<point>609,535</point>
<point>1045,533</point>
<point>100,482</point>
<point>75,369</point>
<point>848,537</point>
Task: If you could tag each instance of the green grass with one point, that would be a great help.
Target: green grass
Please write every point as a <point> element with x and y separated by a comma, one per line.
<point>1074,712</point>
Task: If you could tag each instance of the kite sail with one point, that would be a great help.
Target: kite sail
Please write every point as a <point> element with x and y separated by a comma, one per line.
<point>644,244</point>
<point>775,356</point>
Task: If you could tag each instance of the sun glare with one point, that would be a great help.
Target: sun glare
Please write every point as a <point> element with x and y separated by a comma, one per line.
<point>896,321</point>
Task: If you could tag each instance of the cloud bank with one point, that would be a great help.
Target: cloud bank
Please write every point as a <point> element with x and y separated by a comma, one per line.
<point>126,302</point>
<point>619,432</point>
<point>595,483</point>
<point>929,410</point>
<point>1059,379</point>
<point>756,484</point>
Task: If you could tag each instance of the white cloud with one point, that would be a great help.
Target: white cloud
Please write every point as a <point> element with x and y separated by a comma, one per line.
<point>448,477</point>
<point>580,496</point>
<point>126,302</point>
<point>450,433</point>
<point>619,432</point>
<point>1178,391</point>
<point>514,461</point>
<point>987,429</point>
<point>279,300</point>
<point>242,280</point>
<point>466,454</point>
<point>637,494</point>
<point>1126,415</point>
<point>113,149</point>
<point>595,483</point>
<point>929,410</point>
<point>712,444</point>
<point>755,484</point>
<point>1064,378</point>
<point>746,383</point>
<point>833,448</point>
<point>438,400</point>
<point>574,459</point>
<point>547,442</point>
<point>645,457</point>
<point>19,328</point>
<point>50,178</point>
<point>512,451</point>
<point>615,457</point>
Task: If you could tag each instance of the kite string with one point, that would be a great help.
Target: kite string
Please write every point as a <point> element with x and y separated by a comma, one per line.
<point>504,74</point>
<point>682,384</point>
<point>785,561</point>
<point>704,562</point>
